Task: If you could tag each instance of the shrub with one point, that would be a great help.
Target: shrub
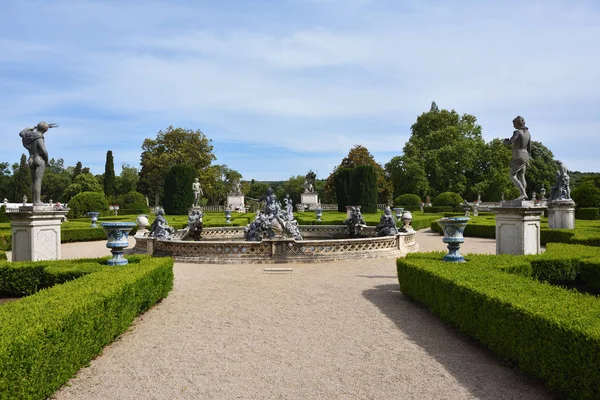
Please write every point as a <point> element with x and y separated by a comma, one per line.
<point>132,199</point>
<point>3,217</point>
<point>363,191</point>
<point>84,202</point>
<point>343,181</point>
<point>589,213</point>
<point>405,200</point>
<point>46,337</point>
<point>178,189</point>
<point>448,199</point>
<point>586,195</point>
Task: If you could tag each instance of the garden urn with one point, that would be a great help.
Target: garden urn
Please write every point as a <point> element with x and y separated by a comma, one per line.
<point>117,234</point>
<point>398,211</point>
<point>453,228</point>
<point>319,213</point>
<point>93,217</point>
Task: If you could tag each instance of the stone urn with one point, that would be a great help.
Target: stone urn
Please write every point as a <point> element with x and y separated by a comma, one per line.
<point>142,223</point>
<point>93,217</point>
<point>406,220</point>
<point>319,213</point>
<point>227,216</point>
<point>453,236</point>
<point>398,211</point>
<point>117,234</point>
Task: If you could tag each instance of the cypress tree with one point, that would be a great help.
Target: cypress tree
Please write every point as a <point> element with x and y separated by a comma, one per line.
<point>77,170</point>
<point>22,181</point>
<point>179,195</point>
<point>343,183</point>
<point>109,176</point>
<point>363,191</point>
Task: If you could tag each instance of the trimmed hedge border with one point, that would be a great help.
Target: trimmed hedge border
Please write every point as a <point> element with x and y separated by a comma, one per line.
<point>47,337</point>
<point>589,213</point>
<point>550,332</point>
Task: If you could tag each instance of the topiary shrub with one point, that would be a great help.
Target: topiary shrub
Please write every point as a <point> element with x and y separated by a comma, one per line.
<point>86,201</point>
<point>3,217</point>
<point>343,182</point>
<point>448,199</point>
<point>132,203</point>
<point>407,200</point>
<point>179,195</point>
<point>589,213</point>
<point>363,191</point>
<point>586,196</point>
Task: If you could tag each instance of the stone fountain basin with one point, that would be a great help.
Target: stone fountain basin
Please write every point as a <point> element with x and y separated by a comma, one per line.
<point>321,243</point>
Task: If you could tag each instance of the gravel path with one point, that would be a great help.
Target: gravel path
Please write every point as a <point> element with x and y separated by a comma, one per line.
<point>324,331</point>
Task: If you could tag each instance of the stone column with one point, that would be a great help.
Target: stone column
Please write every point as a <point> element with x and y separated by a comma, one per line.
<point>36,233</point>
<point>518,227</point>
<point>561,214</point>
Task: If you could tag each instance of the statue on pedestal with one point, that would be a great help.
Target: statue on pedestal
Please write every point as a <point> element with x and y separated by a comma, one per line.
<point>33,141</point>
<point>561,190</point>
<point>521,149</point>
<point>387,224</point>
<point>197,192</point>
<point>160,228</point>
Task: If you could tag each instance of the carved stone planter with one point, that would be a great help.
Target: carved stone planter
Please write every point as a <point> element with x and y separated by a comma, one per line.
<point>117,234</point>
<point>319,213</point>
<point>398,211</point>
<point>93,217</point>
<point>453,236</point>
<point>227,216</point>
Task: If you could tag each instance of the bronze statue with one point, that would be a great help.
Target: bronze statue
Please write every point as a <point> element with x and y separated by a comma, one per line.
<point>521,149</point>
<point>33,140</point>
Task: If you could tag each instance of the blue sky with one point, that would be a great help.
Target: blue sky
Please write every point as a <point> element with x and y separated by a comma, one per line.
<point>282,87</point>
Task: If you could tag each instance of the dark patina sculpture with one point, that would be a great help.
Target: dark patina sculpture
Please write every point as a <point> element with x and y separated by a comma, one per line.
<point>272,220</point>
<point>355,223</point>
<point>33,140</point>
<point>561,191</point>
<point>521,149</point>
<point>195,224</point>
<point>387,224</point>
<point>159,227</point>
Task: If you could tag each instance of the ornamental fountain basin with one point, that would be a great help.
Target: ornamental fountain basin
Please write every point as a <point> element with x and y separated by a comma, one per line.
<point>321,243</point>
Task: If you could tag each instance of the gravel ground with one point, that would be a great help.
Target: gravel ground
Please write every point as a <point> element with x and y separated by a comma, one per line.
<point>338,330</point>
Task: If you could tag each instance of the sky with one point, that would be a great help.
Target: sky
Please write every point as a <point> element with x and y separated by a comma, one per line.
<point>282,87</point>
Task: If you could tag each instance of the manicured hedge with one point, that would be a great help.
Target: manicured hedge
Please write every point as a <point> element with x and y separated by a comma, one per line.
<point>588,213</point>
<point>548,331</point>
<point>438,209</point>
<point>47,337</point>
<point>405,200</point>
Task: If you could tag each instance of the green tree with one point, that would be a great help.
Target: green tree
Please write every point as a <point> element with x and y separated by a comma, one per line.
<point>109,176</point>
<point>83,183</point>
<point>363,191</point>
<point>84,202</point>
<point>343,188</point>
<point>77,170</point>
<point>360,155</point>
<point>22,180</point>
<point>542,168</point>
<point>407,176</point>
<point>129,178</point>
<point>175,146</point>
<point>6,190</point>
<point>294,186</point>
<point>56,179</point>
<point>178,189</point>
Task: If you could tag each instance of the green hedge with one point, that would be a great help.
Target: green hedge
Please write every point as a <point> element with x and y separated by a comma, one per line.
<point>588,213</point>
<point>548,331</point>
<point>406,200</point>
<point>47,337</point>
<point>438,209</point>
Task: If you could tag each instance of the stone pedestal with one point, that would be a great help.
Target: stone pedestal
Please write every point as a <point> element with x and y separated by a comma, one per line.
<point>561,214</point>
<point>36,233</point>
<point>236,202</point>
<point>518,227</point>
<point>310,199</point>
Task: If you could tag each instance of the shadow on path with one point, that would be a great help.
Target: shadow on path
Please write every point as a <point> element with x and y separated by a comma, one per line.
<point>477,368</point>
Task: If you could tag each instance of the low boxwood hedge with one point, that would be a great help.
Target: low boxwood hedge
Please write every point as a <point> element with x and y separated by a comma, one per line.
<point>47,337</point>
<point>587,213</point>
<point>548,331</point>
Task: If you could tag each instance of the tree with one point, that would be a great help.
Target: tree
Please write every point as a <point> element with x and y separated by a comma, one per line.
<point>109,176</point>
<point>363,191</point>
<point>56,179</point>
<point>22,180</point>
<point>343,187</point>
<point>541,171</point>
<point>83,183</point>
<point>129,178</point>
<point>77,170</point>
<point>6,189</point>
<point>178,189</point>
<point>294,186</point>
<point>175,146</point>
<point>407,176</point>
<point>360,155</point>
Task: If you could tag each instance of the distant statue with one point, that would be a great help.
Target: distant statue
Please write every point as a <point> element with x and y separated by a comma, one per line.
<point>521,149</point>
<point>355,223</point>
<point>308,187</point>
<point>289,206</point>
<point>387,224</point>
<point>33,140</point>
<point>561,190</point>
<point>197,192</point>
<point>236,188</point>
<point>159,227</point>
<point>195,224</point>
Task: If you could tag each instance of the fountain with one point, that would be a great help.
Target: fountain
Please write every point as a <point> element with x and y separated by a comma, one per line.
<point>275,237</point>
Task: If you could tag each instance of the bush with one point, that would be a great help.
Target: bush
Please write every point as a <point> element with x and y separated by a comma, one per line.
<point>132,200</point>
<point>586,195</point>
<point>84,202</point>
<point>448,199</point>
<point>363,191</point>
<point>178,189</point>
<point>47,337</point>
<point>589,213</point>
<point>548,331</point>
<point>405,200</point>
<point>3,217</point>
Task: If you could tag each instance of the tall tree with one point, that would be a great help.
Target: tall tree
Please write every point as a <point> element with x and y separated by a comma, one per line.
<point>109,176</point>
<point>360,155</point>
<point>175,146</point>
<point>22,180</point>
<point>178,189</point>
<point>6,190</point>
<point>77,170</point>
<point>129,178</point>
<point>83,183</point>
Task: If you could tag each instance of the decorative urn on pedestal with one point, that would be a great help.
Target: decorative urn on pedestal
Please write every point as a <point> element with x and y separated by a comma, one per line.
<point>93,217</point>
<point>406,220</point>
<point>453,236</point>
<point>227,216</point>
<point>117,234</point>
<point>398,211</point>
<point>319,213</point>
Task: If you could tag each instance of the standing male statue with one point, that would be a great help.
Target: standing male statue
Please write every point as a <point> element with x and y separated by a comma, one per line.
<point>197,192</point>
<point>521,149</point>
<point>33,140</point>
